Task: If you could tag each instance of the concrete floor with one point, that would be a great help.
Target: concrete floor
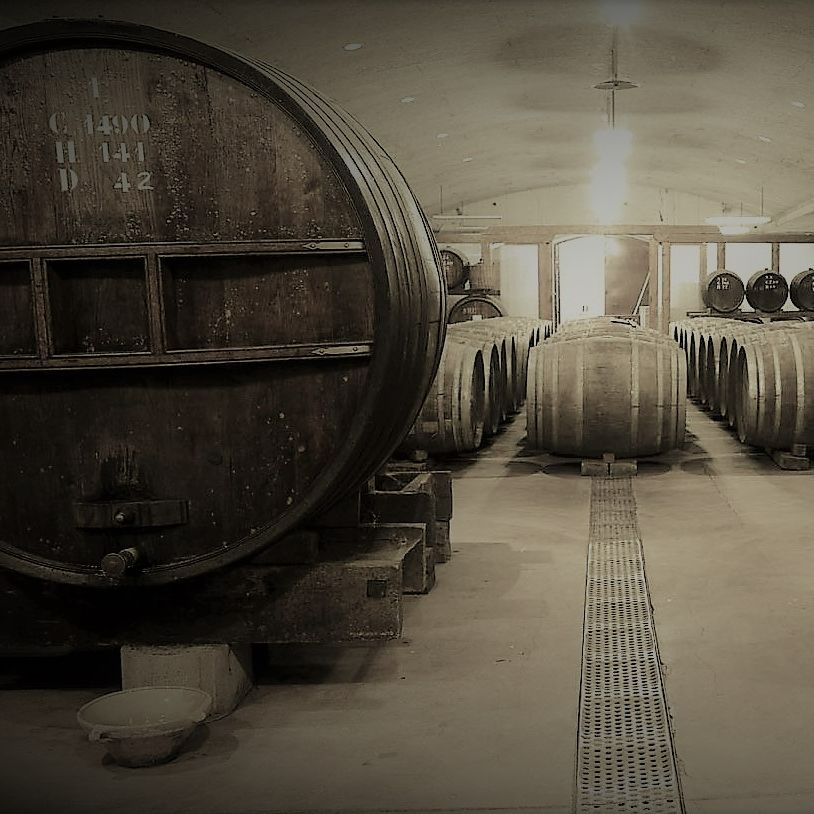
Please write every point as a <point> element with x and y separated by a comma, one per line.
<point>475,709</point>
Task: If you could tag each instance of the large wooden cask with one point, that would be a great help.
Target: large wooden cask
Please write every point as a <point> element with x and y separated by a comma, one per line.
<point>622,392</point>
<point>452,417</point>
<point>723,291</point>
<point>222,307</point>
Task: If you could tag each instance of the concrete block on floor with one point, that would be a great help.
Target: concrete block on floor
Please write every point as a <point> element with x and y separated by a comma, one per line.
<point>222,670</point>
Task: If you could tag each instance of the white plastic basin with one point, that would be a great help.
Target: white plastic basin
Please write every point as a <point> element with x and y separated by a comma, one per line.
<point>146,725</point>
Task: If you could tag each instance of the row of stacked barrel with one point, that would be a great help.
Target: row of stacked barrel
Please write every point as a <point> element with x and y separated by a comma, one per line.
<point>757,376</point>
<point>605,386</point>
<point>481,381</point>
<point>766,291</point>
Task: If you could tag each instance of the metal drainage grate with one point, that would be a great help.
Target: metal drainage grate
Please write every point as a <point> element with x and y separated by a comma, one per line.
<point>625,758</point>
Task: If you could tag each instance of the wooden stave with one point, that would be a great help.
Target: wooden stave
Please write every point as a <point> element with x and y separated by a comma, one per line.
<point>408,286</point>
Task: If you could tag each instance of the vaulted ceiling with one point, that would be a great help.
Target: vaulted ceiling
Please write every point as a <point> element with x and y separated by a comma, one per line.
<point>482,98</point>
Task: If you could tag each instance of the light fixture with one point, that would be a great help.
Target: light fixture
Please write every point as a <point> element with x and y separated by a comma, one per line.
<point>737,224</point>
<point>738,220</point>
<point>352,46</point>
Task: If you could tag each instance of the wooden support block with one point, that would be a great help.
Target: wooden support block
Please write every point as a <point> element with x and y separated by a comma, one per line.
<point>353,592</point>
<point>442,487</point>
<point>419,568</point>
<point>413,504</point>
<point>623,468</point>
<point>608,466</point>
<point>786,460</point>
<point>593,468</point>
<point>443,548</point>
<point>224,671</point>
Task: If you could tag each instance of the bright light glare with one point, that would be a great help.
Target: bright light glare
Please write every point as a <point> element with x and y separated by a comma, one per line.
<point>621,12</point>
<point>607,192</point>
<point>608,187</point>
<point>613,144</point>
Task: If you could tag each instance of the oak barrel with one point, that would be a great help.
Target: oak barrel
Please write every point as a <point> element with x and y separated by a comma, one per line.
<point>455,268</point>
<point>767,290</point>
<point>723,291</point>
<point>507,345</point>
<point>475,307</point>
<point>222,304</point>
<point>801,290</point>
<point>622,392</point>
<point>775,389</point>
<point>493,380</point>
<point>452,417</point>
